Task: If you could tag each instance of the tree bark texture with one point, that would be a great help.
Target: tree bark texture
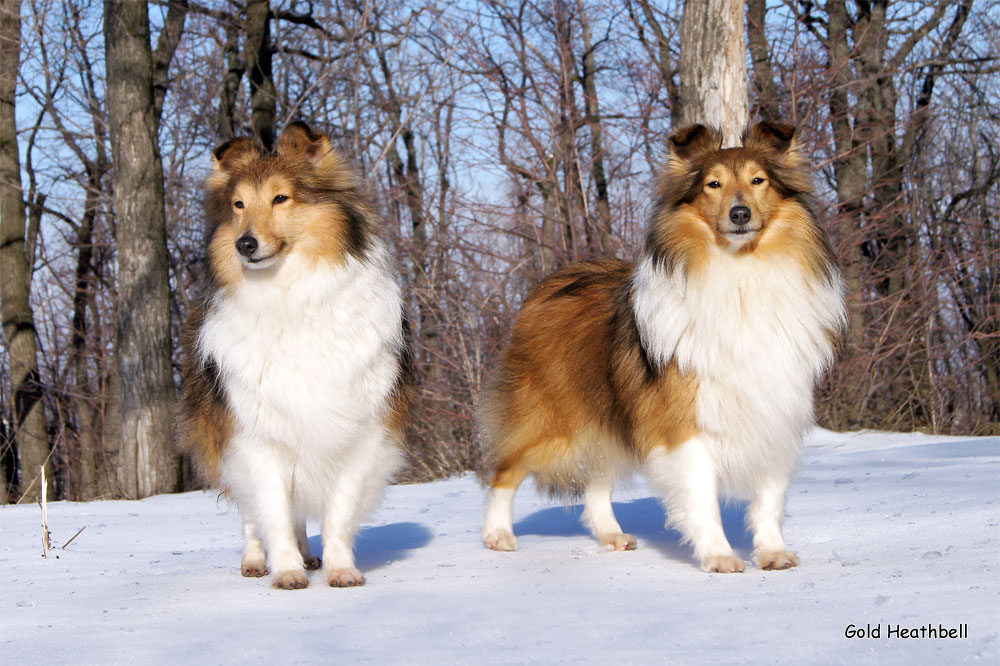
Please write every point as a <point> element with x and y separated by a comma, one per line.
<point>147,461</point>
<point>30,435</point>
<point>713,68</point>
<point>850,168</point>
<point>231,84</point>
<point>766,102</point>
<point>89,443</point>
<point>257,55</point>
<point>605,237</point>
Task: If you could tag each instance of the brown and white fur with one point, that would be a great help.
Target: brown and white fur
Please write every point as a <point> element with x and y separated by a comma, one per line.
<point>297,371</point>
<point>697,364</point>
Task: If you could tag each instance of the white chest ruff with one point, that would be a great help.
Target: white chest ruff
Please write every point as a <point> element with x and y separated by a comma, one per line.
<point>307,354</point>
<point>754,333</point>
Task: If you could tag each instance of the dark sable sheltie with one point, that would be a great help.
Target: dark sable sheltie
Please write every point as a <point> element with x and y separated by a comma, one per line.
<point>696,364</point>
<point>296,377</point>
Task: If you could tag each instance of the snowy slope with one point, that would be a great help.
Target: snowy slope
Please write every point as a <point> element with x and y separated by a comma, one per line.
<point>892,530</point>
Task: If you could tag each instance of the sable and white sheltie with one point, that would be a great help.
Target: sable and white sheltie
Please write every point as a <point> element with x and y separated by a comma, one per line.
<point>297,376</point>
<point>696,364</point>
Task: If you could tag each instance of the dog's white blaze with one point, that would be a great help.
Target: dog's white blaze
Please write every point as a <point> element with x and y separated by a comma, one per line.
<point>754,333</point>
<point>307,356</point>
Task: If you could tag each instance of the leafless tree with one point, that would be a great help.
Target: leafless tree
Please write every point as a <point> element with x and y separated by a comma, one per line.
<point>500,141</point>
<point>713,69</point>
<point>29,432</point>
<point>147,461</point>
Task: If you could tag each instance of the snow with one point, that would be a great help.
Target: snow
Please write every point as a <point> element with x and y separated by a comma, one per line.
<point>892,529</point>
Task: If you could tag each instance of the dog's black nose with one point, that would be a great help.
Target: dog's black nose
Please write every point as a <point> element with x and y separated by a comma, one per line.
<point>740,215</point>
<point>246,245</point>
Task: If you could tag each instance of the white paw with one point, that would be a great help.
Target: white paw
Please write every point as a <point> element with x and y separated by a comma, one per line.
<point>500,539</point>
<point>723,564</point>
<point>347,577</point>
<point>774,560</point>
<point>290,580</point>
<point>617,541</point>
<point>253,566</point>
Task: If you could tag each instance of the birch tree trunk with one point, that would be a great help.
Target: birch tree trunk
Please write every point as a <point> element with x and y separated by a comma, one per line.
<point>30,435</point>
<point>148,463</point>
<point>713,69</point>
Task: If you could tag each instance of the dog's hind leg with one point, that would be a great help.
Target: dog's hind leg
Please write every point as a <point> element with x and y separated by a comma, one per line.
<point>764,519</point>
<point>311,561</point>
<point>600,517</point>
<point>498,528</point>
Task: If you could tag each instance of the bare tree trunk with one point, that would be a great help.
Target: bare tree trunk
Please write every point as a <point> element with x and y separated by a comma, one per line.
<point>30,434</point>
<point>850,166</point>
<point>231,83</point>
<point>713,69</point>
<point>766,103</point>
<point>88,440</point>
<point>606,241</point>
<point>148,463</point>
<point>257,56</point>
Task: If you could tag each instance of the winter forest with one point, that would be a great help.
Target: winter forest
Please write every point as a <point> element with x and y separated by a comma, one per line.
<point>499,140</point>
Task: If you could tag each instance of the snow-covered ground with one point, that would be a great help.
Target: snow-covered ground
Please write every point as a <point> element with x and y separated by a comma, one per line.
<point>893,531</point>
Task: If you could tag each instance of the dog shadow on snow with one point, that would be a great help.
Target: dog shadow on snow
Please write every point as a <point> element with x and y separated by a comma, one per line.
<point>381,545</point>
<point>643,519</point>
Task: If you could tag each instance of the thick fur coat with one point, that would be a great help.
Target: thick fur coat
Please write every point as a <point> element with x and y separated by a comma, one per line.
<point>297,379</point>
<point>697,364</point>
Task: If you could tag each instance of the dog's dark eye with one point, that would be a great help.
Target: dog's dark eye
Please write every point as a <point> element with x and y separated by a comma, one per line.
<point>238,204</point>
<point>281,198</point>
<point>757,181</point>
<point>715,184</point>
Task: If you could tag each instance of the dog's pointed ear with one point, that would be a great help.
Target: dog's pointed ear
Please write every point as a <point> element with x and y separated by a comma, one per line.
<point>298,140</point>
<point>778,137</point>
<point>234,154</point>
<point>689,142</point>
<point>779,147</point>
<point>680,180</point>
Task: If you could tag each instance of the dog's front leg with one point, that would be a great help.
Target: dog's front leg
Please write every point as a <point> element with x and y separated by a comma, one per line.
<point>685,476</point>
<point>364,474</point>
<point>261,480</point>
<point>254,563</point>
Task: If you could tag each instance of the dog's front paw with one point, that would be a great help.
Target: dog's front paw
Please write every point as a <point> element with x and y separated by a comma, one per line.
<point>290,580</point>
<point>254,566</point>
<point>253,570</point>
<point>500,539</point>
<point>723,564</point>
<point>349,577</point>
<point>774,560</point>
<point>618,541</point>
